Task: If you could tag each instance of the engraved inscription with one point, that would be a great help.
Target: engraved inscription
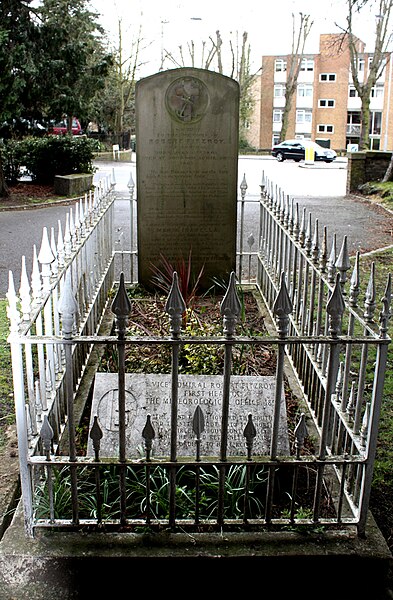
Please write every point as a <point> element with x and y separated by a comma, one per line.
<point>253,395</point>
<point>187,131</point>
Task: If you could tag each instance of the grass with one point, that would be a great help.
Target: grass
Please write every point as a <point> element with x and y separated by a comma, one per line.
<point>6,388</point>
<point>382,192</point>
<point>381,496</point>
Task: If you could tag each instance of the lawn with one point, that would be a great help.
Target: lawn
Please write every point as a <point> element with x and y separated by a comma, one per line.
<point>6,394</point>
<point>382,498</point>
<point>380,192</point>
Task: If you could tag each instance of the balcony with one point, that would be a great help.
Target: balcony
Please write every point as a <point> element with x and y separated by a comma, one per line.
<point>353,129</point>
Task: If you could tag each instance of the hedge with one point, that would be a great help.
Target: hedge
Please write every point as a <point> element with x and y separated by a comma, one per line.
<point>43,158</point>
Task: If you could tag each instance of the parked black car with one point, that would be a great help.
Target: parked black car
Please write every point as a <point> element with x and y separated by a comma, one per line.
<point>296,150</point>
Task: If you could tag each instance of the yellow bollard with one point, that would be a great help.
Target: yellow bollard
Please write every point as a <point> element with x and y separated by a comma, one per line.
<point>309,155</point>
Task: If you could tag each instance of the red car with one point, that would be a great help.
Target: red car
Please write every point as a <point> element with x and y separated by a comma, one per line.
<point>60,128</point>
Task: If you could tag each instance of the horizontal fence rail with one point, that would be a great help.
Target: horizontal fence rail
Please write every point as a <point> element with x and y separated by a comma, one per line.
<point>338,355</point>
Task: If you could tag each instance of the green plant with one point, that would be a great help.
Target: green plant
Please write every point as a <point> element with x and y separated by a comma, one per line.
<point>12,159</point>
<point>147,492</point>
<point>7,414</point>
<point>55,155</point>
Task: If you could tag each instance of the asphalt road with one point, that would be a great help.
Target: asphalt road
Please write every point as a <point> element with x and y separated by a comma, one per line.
<point>320,189</point>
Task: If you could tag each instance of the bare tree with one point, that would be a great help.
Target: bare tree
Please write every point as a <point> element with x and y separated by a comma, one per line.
<point>212,57</point>
<point>299,37</point>
<point>206,59</point>
<point>376,64</point>
<point>126,68</point>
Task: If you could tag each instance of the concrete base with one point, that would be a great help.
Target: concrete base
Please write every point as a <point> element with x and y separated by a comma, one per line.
<point>63,565</point>
<point>73,185</point>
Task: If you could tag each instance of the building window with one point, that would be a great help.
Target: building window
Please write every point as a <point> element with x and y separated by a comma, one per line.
<point>276,139</point>
<point>277,116</point>
<point>307,64</point>
<point>304,90</point>
<point>279,91</point>
<point>353,123</point>
<point>325,128</point>
<point>360,65</point>
<point>352,93</point>
<point>327,77</point>
<point>303,116</point>
<point>280,65</point>
<point>375,122</point>
<point>326,103</point>
<point>376,91</point>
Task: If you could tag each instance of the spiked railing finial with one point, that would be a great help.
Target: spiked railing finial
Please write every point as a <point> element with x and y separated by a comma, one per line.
<point>386,308</point>
<point>335,308</point>
<point>230,308</point>
<point>282,308</point>
<point>175,306</point>
<point>121,307</point>
<point>68,307</point>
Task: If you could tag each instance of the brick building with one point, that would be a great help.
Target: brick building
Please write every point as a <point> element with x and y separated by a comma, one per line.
<point>326,107</point>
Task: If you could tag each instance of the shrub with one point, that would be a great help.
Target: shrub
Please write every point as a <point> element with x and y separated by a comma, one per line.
<point>55,155</point>
<point>12,159</point>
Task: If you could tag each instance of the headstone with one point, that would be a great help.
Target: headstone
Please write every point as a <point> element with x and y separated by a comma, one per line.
<point>150,394</point>
<point>187,137</point>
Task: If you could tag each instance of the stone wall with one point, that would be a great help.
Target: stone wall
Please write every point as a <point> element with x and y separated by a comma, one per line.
<point>73,185</point>
<point>366,166</point>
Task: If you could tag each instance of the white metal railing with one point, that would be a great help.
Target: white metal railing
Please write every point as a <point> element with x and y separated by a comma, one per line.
<point>62,317</point>
<point>343,381</point>
<point>83,257</point>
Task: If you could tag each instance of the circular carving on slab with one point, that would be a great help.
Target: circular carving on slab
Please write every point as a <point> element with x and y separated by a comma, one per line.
<point>108,410</point>
<point>187,99</point>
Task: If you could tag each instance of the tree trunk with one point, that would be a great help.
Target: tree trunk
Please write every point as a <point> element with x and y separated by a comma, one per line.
<point>284,123</point>
<point>4,191</point>
<point>69,124</point>
<point>285,114</point>
<point>389,171</point>
<point>364,142</point>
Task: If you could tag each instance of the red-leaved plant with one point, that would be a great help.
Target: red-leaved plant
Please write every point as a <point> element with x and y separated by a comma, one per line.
<point>163,276</point>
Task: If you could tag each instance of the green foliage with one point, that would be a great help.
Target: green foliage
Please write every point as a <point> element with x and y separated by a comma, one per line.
<point>147,489</point>
<point>74,61</point>
<point>6,387</point>
<point>381,192</point>
<point>12,160</point>
<point>49,156</point>
<point>19,80</point>
<point>52,59</point>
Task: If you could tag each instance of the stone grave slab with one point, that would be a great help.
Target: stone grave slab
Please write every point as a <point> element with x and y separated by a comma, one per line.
<point>187,123</point>
<point>151,394</point>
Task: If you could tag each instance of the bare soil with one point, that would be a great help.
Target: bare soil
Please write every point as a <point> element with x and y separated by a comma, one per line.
<point>28,193</point>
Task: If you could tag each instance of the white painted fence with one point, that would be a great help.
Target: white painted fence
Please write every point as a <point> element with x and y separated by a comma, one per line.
<point>56,326</point>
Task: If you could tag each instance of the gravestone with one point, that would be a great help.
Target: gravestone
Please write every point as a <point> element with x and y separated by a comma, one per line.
<point>150,394</point>
<point>187,123</point>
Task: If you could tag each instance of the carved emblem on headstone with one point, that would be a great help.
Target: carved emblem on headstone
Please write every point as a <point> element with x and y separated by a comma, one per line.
<point>108,412</point>
<point>187,99</point>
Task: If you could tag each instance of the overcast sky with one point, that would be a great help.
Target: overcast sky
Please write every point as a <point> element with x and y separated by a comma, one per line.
<point>166,24</point>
